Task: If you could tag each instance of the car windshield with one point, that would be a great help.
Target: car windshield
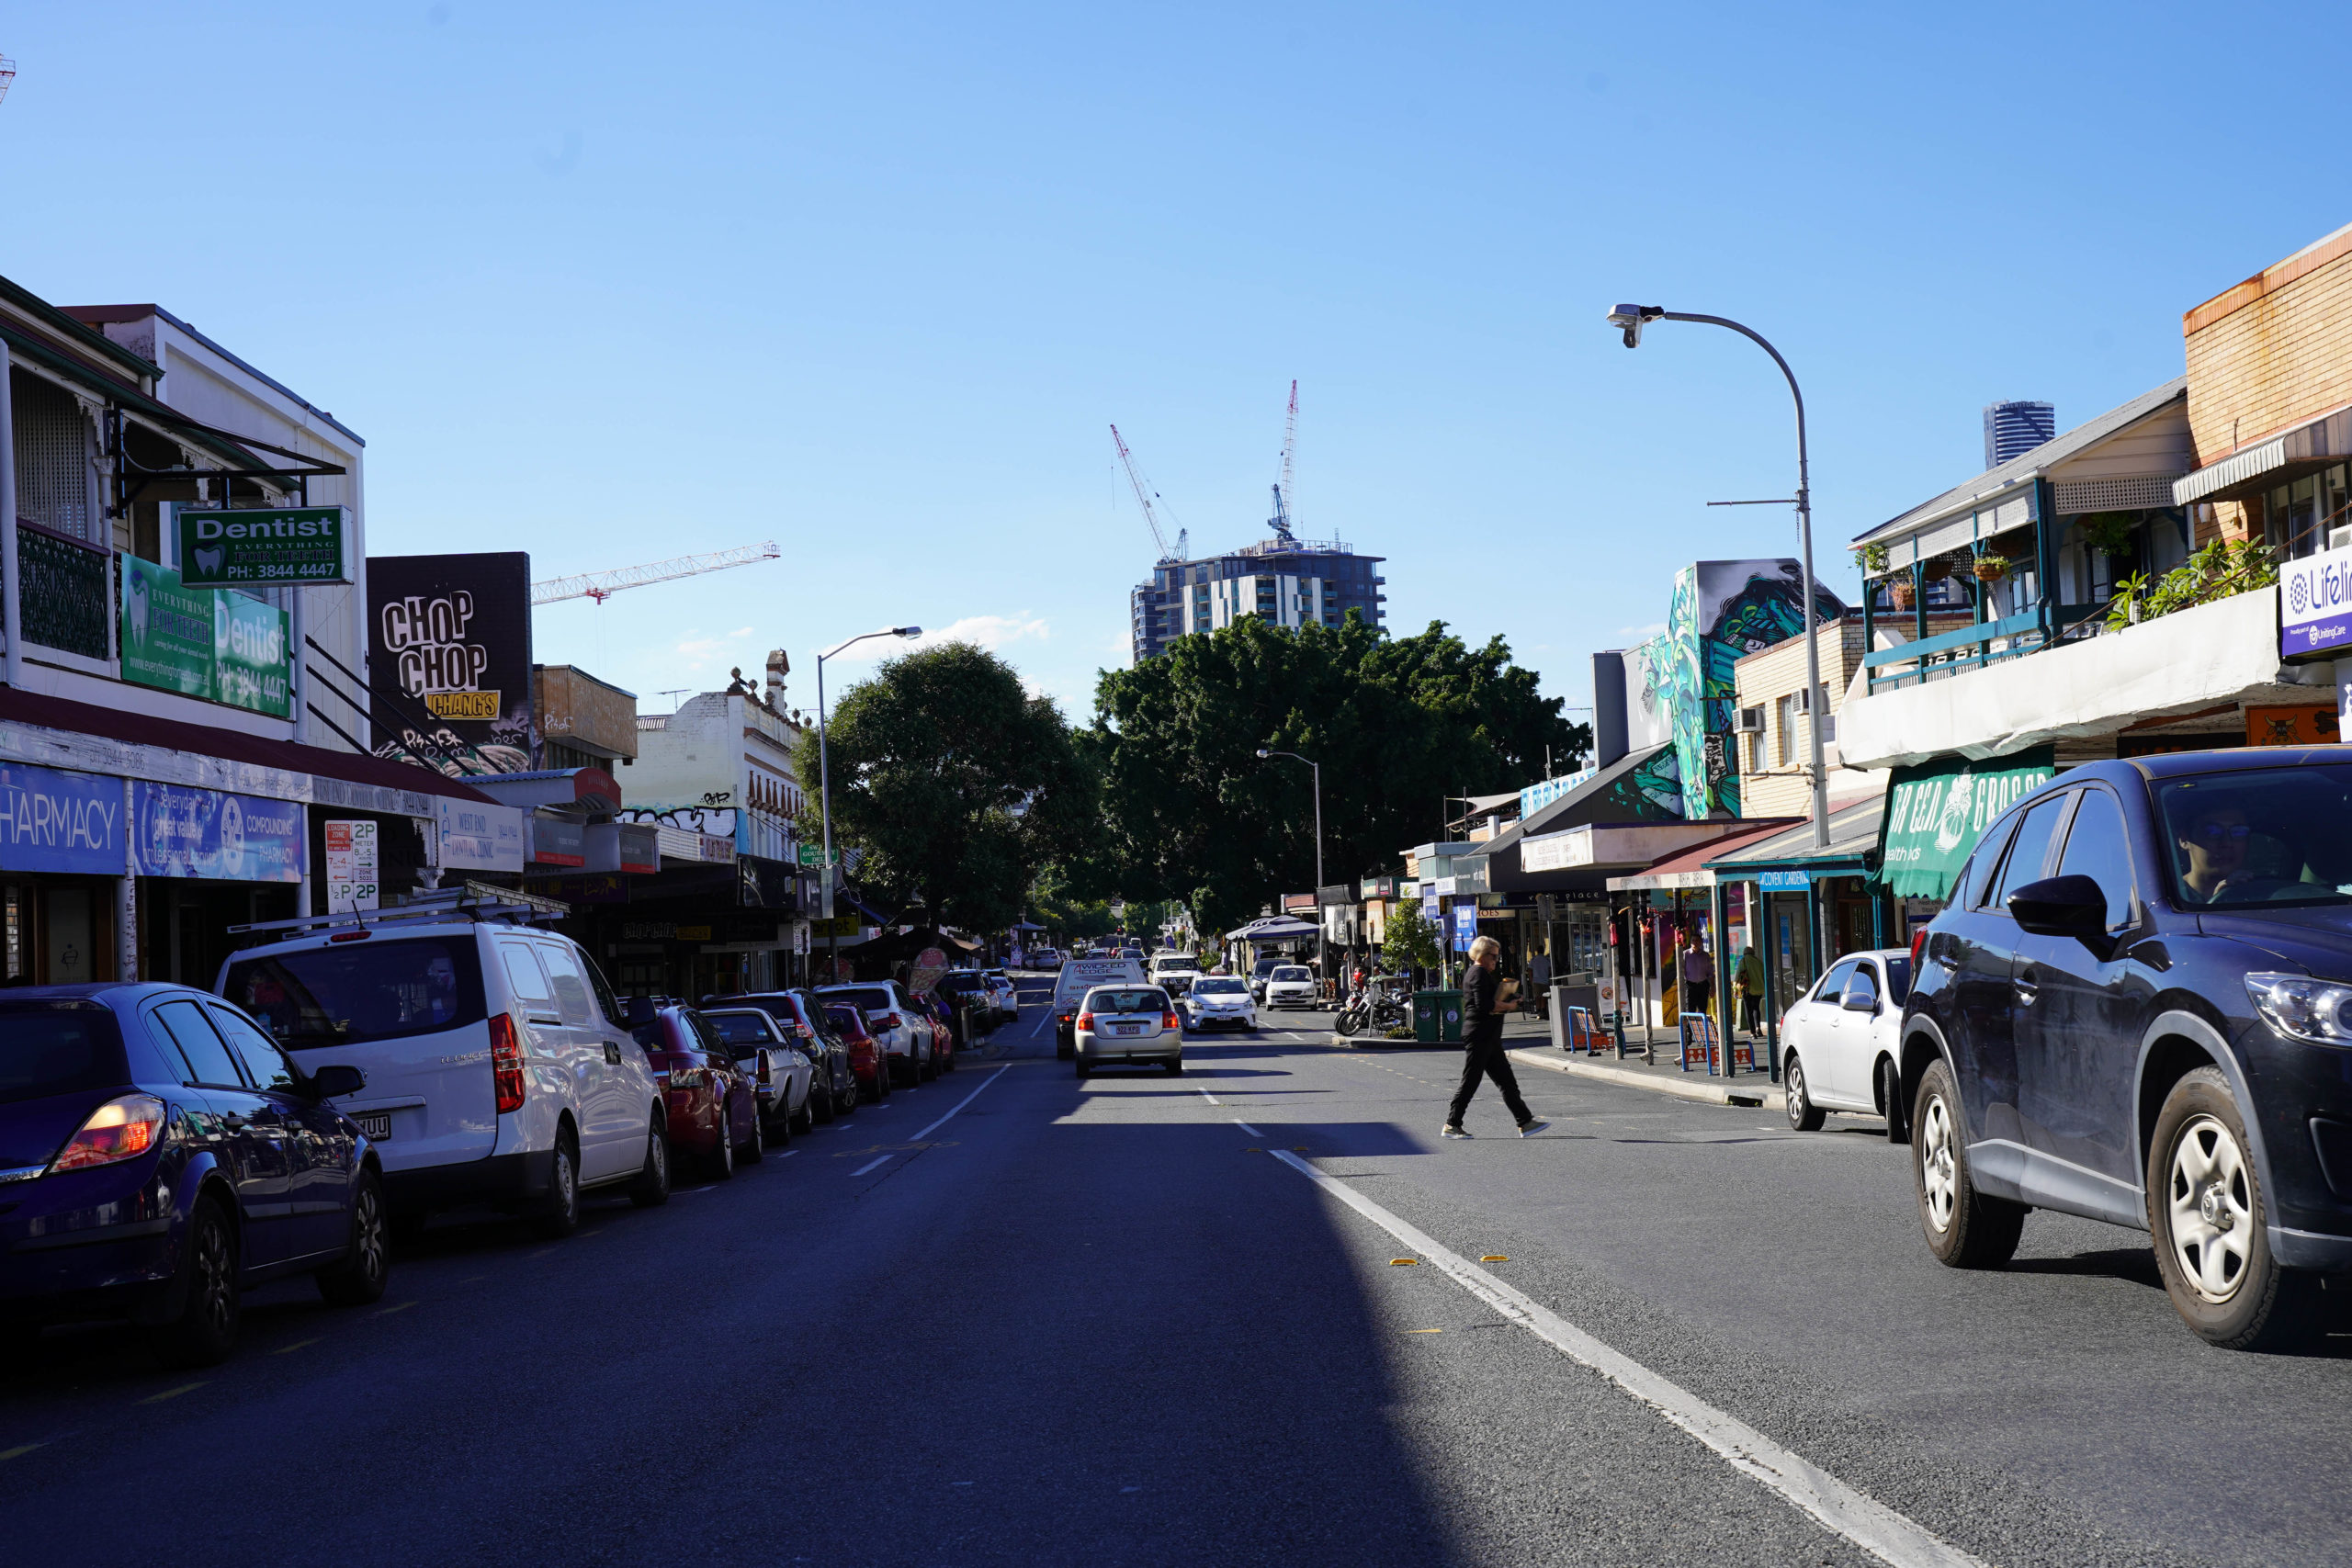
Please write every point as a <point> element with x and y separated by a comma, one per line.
<point>742,1027</point>
<point>1288,972</point>
<point>1216,985</point>
<point>60,1047</point>
<point>1167,963</point>
<point>1106,999</point>
<point>2264,836</point>
<point>346,994</point>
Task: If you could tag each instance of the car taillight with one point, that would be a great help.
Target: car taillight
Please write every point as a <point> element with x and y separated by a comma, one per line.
<point>764,1068</point>
<point>507,1062</point>
<point>889,1021</point>
<point>805,1032</point>
<point>1168,1019</point>
<point>1918,946</point>
<point>119,1130</point>
<point>1086,1020</point>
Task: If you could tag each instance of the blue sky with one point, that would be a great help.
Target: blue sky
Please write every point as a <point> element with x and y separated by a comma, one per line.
<point>613,283</point>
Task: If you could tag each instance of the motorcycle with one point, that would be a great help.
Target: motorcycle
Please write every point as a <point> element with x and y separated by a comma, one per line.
<point>1381,1010</point>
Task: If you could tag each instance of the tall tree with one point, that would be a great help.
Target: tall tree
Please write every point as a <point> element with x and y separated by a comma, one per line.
<point>1397,725</point>
<point>955,783</point>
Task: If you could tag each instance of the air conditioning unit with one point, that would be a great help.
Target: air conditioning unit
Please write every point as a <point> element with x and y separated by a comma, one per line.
<point>2339,537</point>
<point>1804,705</point>
<point>1747,721</point>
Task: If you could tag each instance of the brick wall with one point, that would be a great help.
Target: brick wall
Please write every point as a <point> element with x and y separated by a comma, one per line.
<point>2269,354</point>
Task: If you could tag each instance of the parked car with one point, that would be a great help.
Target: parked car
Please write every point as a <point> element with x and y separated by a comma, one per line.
<point>160,1155</point>
<point>905,1031</point>
<point>1070,986</point>
<point>1128,1024</point>
<point>1289,986</point>
<point>499,1067</point>
<point>1220,1001</point>
<point>1175,972</point>
<point>866,1060</point>
<point>834,1085</point>
<point>1259,971</point>
<point>947,1031</point>
<point>1045,958</point>
<point>959,989</point>
<point>1841,1041</point>
<point>782,1079</point>
<point>1004,993</point>
<point>2138,1007</point>
<point>713,1109</point>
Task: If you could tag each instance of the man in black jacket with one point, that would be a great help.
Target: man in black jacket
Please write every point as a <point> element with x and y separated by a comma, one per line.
<point>1482,1044</point>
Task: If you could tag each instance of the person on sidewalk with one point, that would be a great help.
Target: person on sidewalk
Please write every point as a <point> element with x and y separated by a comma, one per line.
<point>1539,981</point>
<point>1748,981</point>
<point>1698,971</point>
<point>1483,1001</point>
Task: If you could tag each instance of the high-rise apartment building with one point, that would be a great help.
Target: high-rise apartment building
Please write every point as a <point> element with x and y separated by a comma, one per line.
<point>1286,581</point>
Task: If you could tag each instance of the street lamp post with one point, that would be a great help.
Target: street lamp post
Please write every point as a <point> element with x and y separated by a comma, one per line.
<point>825,792</point>
<point>1631,319</point>
<point>1322,949</point>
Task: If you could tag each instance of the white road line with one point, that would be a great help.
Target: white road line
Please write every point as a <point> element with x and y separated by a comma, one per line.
<point>967,1100</point>
<point>787,1154</point>
<point>862,1170</point>
<point>1207,1096</point>
<point>1246,1128</point>
<point>1867,1522</point>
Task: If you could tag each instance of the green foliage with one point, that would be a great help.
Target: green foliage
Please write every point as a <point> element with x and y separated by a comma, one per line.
<point>1871,559</point>
<point>1408,941</point>
<point>1192,814</point>
<point>2221,571</point>
<point>1993,566</point>
<point>2110,532</point>
<point>956,784</point>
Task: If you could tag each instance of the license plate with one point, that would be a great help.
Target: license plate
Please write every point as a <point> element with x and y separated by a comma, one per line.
<point>1126,1028</point>
<point>376,1124</point>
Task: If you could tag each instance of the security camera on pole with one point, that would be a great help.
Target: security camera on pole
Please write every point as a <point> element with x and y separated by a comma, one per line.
<point>825,794</point>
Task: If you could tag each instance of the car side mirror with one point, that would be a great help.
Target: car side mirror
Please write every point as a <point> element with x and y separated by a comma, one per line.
<point>2065,906</point>
<point>1855,1002</point>
<point>335,1079</point>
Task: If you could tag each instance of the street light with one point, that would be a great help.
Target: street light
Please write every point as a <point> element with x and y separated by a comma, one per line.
<point>1322,952</point>
<point>825,787</point>
<point>1631,319</point>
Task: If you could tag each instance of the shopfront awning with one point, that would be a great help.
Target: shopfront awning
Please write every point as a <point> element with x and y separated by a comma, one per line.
<point>2286,457</point>
<point>1790,862</point>
<point>1936,812</point>
<point>1687,868</point>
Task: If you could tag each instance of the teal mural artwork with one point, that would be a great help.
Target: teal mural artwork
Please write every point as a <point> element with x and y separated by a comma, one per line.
<point>1722,612</point>
<point>1652,791</point>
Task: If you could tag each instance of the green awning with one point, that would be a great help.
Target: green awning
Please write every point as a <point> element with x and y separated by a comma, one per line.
<point>1936,812</point>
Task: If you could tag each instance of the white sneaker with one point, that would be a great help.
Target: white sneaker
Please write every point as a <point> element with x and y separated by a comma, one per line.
<point>1529,1129</point>
<point>1453,1132</point>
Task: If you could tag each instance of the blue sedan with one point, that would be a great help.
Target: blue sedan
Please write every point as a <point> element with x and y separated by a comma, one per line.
<point>160,1155</point>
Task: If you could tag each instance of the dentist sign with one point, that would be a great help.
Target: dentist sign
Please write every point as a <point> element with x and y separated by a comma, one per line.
<point>262,546</point>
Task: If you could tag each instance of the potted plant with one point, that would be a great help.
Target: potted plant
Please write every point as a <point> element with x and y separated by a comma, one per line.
<point>1992,566</point>
<point>1872,560</point>
<point>2109,533</point>
<point>1903,590</point>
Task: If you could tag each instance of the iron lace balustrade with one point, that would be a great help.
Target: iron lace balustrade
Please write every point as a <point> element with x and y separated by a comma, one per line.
<point>66,598</point>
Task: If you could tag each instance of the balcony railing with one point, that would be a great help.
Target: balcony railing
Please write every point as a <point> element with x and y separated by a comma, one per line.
<point>1972,646</point>
<point>66,597</point>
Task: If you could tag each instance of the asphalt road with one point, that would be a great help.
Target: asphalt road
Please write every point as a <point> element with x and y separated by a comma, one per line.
<point>1103,1323</point>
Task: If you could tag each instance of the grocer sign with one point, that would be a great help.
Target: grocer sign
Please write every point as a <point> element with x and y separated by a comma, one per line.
<point>1936,811</point>
<point>253,548</point>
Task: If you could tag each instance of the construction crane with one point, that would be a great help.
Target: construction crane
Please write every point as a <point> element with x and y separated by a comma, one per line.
<point>601,585</point>
<point>1284,501</point>
<point>1144,495</point>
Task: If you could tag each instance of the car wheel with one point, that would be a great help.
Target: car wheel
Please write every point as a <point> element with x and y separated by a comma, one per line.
<point>1082,1068</point>
<point>752,1149</point>
<point>1890,1095</point>
<point>205,1330</point>
<point>559,1214</point>
<point>720,1162</point>
<point>1964,1228</point>
<point>359,1277</point>
<point>1064,1051</point>
<point>2209,1219</point>
<point>1804,1116</point>
<point>927,1070</point>
<point>1174,1067</point>
<point>652,1188</point>
<point>822,1107</point>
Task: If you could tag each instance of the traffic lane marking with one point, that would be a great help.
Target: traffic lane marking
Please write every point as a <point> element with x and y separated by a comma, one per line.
<point>173,1392</point>
<point>1858,1518</point>
<point>19,1451</point>
<point>862,1170</point>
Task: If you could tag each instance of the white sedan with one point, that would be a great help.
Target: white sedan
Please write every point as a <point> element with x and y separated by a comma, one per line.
<point>1291,986</point>
<point>1839,1042</point>
<point>779,1073</point>
<point>1220,1001</point>
<point>1128,1024</point>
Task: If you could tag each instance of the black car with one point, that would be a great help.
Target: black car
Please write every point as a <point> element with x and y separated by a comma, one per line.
<point>833,1089</point>
<point>160,1155</point>
<point>2138,1007</point>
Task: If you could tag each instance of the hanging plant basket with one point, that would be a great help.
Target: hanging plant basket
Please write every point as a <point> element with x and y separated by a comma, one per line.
<point>1992,568</point>
<point>2110,532</point>
<point>1903,590</point>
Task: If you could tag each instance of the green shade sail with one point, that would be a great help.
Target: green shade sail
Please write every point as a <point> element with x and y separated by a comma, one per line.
<point>1936,811</point>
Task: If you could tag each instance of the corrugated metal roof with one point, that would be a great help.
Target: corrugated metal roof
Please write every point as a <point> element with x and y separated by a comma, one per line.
<point>2031,465</point>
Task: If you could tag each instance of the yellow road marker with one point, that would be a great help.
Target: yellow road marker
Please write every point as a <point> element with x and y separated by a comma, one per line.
<point>1493,1257</point>
<point>20,1450</point>
<point>1425,1331</point>
<point>289,1349</point>
<point>1253,1151</point>
<point>389,1310</point>
<point>171,1394</point>
<point>1402,1262</point>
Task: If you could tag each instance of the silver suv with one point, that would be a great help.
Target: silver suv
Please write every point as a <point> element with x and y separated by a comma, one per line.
<point>499,1070</point>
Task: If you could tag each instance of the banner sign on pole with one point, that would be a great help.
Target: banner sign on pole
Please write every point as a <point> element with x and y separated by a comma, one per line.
<point>1465,925</point>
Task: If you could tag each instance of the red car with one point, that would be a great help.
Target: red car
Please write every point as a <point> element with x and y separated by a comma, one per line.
<point>864,1053</point>
<point>713,1106</point>
<point>943,1050</point>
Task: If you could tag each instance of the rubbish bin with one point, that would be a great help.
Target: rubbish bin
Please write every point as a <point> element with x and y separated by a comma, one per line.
<point>1437,1018</point>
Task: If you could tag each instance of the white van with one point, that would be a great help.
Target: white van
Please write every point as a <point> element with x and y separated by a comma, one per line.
<point>500,1069</point>
<point>1077,977</point>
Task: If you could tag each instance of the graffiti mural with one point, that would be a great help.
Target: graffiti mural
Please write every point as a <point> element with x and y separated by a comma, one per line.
<point>1650,791</point>
<point>1721,611</point>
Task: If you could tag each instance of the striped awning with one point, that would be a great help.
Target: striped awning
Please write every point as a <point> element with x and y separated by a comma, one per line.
<point>2286,455</point>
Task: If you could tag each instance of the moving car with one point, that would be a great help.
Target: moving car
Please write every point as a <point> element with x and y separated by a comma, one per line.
<point>1045,958</point>
<point>1128,1024</point>
<point>867,1061</point>
<point>1290,986</point>
<point>2138,1007</point>
<point>1076,978</point>
<point>905,1031</point>
<point>1841,1041</point>
<point>1220,1001</point>
<point>160,1155</point>
<point>713,1109</point>
<point>782,1079</point>
<point>499,1067</point>
<point>1175,972</point>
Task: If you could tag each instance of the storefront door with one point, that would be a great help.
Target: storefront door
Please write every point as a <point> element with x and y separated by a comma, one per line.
<point>66,913</point>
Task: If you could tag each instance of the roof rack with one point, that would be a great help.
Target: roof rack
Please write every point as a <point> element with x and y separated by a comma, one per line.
<point>470,901</point>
